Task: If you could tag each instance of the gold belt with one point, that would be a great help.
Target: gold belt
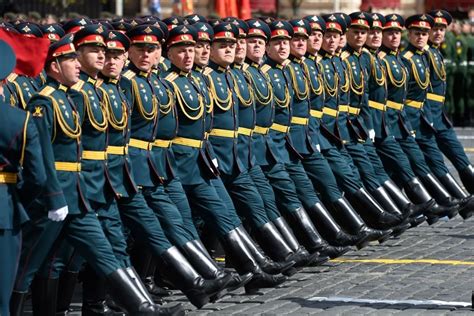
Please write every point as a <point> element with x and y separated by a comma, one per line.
<point>343,108</point>
<point>261,130</point>
<point>316,113</point>
<point>138,143</point>
<point>354,110</point>
<point>162,143</point>
<point>117,150</point>
<point>394,105</point>
<point>435,97</point>
<point>94,155</point>
<point>189,142</point>
<point>223,133</point>
<point>299,120</point>
<point>330,112</point>
<point>280,128</point>
<point>8,177</point>
<point>67,166</point>
<point>245,131</point>
<point>414,104</point>
<point>377,105</point>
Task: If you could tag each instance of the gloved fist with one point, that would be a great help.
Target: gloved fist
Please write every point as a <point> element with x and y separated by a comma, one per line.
<point>58,215</point>
<point>372,134</point>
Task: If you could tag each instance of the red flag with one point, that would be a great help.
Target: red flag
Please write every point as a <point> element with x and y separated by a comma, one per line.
<point>30,52</point>
<point>220,8</point>
<point>245,10</point>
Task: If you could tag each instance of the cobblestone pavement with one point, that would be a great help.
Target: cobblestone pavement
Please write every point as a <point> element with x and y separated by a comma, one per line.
<point>429,270</point>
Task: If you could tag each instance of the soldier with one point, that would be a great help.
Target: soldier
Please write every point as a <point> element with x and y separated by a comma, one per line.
<point>460,60</point>
<point>25,87</point>
<point>20,149</point>
<point>194,165</point>
<point>140,87</point>
<point>65,193</point>
<point>448,50</point>
<point>442,130</point>
<point>417,65</point>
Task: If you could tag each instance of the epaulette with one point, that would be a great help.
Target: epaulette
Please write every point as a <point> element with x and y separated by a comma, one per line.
<point>46,91</point>
<point>345,54</point>
<point>365,50</point>
<point>265,68</point>
<point>78,85</point>
<point>129,74</point>
<point>408,54</point>
<point>382,54</point>
<point>319,58</point>
<point>286,62</point>
<point>426,48</point>
<point>99,82</point>
<point>171,76</point>
<point>207,71</point>
<point>245,66</point>
<point>12,77</point>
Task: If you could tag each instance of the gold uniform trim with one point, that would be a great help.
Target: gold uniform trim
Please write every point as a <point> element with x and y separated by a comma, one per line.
<point>117,150</point>
<point>330,112</point>
<point>67,166</point>
<point>261,130</point>
<point>223,133</point>
<point>316,113</point>
<point>435,97</point>
<point>354,110</point>
<point>414,104</point>
<point>394,105</point>
<point>189,142</point>
<point>94,155</point>
<point>138,143</point>
<point>245,131</point>
<point>377,105</point>
<point>8,177</point>
<point>343,108</point>
<point>280,128</point>
<point>299,120</point>
<point>163,143</point>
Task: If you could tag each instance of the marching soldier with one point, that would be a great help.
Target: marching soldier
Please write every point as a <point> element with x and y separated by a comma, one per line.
<point>193,163</point>
<point>20,149</point>
<point>138,84</point>
<point>441,138</point>
<point>65,193</point>
<point>460,60</point>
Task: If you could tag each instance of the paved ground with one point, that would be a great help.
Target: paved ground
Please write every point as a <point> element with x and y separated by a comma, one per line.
<point>429,270</point>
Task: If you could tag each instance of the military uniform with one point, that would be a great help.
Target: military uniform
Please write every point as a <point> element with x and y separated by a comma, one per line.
<point>460,59</point>
<point>20,148</point>
<point>448,51</point>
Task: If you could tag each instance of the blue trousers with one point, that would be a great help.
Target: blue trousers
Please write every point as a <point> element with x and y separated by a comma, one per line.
<point>10,243</point>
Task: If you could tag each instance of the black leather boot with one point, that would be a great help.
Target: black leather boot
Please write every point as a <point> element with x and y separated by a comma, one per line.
<point>371,211</point>
<point>300,255</point>
<point>403,203</point>
<point>44,296</point>
<point>244,262</point>
<point>310,237</point>
<point>447,205</point>
<point>273,243</point>
<point>133,275</point>
<point>467,178</point>
<point>125,293</point>
<point>236,281</point>
<point>328,227</point>
<point>417,192</point>
<point>267,264</point>
<point>181,274</point>
<point>384,199</point>
<point>148,279</point>
<point>466,206</point>
<point>67,284</point>
<point>17,302</point>
<point>94,294</point>
<point>351,222</point>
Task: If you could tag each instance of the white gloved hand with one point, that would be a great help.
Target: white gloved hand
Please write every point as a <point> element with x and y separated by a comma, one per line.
<point>372,134</point>
<point>318,147</point>
<point>58,215</point>
<point>215,162</point>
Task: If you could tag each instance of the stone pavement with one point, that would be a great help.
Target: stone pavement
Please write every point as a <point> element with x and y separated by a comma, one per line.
<point>429,270</point>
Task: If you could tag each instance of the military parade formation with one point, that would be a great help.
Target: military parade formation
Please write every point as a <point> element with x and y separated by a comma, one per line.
<point>144,145</point>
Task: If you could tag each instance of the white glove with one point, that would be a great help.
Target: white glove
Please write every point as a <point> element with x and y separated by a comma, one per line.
<point>58,215</point>
<point>372,134</point>
<point>215,162</point>
<point>318,147</point>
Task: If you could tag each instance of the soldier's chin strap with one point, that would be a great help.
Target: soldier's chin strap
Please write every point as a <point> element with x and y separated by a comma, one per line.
<point>60,70</point>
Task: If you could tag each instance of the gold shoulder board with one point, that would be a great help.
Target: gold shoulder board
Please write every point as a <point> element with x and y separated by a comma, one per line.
<point>345,54</point>
<point>382,54</point>
<point>78,86</point>
<point>408,55</point>
<point>266,68</point>
<point>46,91</point>
<point>129,74</point>
<point>12,77</point>
<point>171,77</point>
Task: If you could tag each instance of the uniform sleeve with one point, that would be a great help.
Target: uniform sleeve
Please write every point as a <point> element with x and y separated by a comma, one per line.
<point>126,87</point>
<point>42,115</point>
<point>33,173</point>
<point>79,102</point>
